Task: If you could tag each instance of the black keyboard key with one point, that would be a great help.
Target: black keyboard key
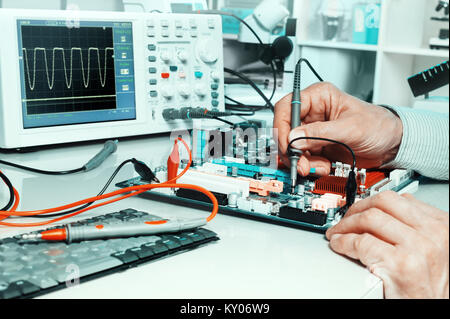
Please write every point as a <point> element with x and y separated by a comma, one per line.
<point>157,247</point>
<point>184,240</point>
<point>170,242</point>
<point>144,251</point>
<point>25,287</point>
<point>194,236</point>
<point>207,233</point>
<point>12,291</point>
<point>128,211</point>
<point>126,256</point>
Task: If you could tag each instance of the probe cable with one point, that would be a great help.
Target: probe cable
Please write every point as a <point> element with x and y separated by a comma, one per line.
<point>351,185</point>
<point>132,191</point>
<point>247,80</point>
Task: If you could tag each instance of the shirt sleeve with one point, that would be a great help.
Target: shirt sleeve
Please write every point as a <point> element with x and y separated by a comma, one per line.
<point>425,143</point>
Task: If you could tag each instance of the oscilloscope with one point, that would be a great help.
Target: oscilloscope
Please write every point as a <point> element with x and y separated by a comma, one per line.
<point>68,77</point>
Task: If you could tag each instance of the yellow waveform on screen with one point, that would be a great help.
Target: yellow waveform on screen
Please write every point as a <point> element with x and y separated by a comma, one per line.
<point>68,78</point>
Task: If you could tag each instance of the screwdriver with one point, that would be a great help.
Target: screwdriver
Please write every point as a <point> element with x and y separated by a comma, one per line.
<point>78,233</point>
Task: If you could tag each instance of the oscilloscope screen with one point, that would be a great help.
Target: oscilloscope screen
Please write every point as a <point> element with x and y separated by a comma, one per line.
<point>70,71</point>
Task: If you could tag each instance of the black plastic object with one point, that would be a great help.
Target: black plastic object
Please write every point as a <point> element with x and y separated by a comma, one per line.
<point>429,80</point>
<point>309,217</point>
<point>280,49</point>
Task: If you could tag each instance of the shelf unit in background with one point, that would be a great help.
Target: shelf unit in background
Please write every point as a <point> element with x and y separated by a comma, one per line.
<point>402,50</point>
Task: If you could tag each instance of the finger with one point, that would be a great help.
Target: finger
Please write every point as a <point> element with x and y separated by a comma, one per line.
<point>391,203</point>
<point>375,222</point>
<point>367,248</point>
<point>338,130</point>
<point>431,211</point>
<point>315,100</point>
<point>282,121</point>
<point>310,164</point>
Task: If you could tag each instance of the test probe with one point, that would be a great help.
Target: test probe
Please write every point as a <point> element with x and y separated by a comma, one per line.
<point>79,233</point>
<point>294,154</point>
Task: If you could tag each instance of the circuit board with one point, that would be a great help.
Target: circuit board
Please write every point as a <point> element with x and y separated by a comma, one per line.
<point>253,188</point>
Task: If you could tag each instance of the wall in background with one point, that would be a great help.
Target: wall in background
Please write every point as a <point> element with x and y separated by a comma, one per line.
<point>103,5</point>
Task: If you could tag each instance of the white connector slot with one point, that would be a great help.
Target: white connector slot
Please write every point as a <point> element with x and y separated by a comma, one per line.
<point>216,183</point>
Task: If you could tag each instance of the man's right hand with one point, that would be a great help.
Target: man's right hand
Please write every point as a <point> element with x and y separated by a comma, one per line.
<point>373,132</point>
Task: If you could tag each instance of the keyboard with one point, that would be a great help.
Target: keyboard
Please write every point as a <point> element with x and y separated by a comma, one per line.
<point>32,269</point>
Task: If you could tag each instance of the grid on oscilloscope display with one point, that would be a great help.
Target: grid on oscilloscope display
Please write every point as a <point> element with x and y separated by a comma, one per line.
<point>68,69</point>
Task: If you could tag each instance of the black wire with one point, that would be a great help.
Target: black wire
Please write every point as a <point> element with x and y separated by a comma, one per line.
<point>274,72</point>
<point>88,204</point>
<point>11,191</point>
<point>222,120</point>
<point>239,106</point>
<point>327,140</point>
<point>252,84</point>
<point>39,171</point>
<point>310,67</point>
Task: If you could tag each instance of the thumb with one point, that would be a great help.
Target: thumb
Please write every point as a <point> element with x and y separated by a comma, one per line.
<point>330,130</point>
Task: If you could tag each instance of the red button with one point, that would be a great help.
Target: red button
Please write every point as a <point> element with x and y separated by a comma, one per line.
<point>165,75</point>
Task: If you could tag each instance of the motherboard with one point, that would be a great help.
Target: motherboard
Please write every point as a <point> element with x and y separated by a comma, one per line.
<point>247,183</point>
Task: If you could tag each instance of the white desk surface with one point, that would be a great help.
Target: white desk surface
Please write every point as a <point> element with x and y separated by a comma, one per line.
<point>252,259</point>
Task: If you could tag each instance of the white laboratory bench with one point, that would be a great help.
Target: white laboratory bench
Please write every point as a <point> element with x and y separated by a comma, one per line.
<point>252,259</point>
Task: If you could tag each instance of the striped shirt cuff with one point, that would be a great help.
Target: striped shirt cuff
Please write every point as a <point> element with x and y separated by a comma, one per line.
<point>425,143</point>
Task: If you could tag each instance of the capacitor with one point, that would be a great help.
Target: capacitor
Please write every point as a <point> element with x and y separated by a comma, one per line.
<point>232,200</point>
<point>330,213</point>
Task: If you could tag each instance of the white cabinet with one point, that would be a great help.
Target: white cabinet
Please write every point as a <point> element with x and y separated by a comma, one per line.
<point>402,50</point>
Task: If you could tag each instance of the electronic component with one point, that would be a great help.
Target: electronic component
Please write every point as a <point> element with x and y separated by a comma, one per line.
<point>259,191</point>
<point>59,83</point>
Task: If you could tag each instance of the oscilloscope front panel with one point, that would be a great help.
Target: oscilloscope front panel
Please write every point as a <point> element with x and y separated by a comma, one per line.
<point>70,76</point>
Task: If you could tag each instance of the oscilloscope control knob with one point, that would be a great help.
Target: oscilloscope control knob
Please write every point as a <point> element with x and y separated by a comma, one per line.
<point>167,92</point>
<point>184,90</point>
<point>200,90</point>
<point>182,55</point>
<point>165,55</point>
<point>208,51</point>
<point>215,76</point>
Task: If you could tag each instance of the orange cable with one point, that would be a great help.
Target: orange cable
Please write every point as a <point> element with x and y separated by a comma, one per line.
<point>135,190</point>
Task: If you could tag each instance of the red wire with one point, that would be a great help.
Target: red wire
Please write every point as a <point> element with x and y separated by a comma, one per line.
<point>135,190</point>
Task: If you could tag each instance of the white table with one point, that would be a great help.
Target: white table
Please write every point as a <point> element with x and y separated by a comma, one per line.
<point>252,259</point>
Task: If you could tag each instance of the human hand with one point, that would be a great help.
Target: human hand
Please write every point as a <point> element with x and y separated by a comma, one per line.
<point>401,240</point>
<point>373,132</point>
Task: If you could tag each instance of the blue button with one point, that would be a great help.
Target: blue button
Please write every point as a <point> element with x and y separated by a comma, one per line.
<point>214,95</point>
<point>173,68</point>
<point>214,86</point>
<point>215,103</point>
<point>198,74</point>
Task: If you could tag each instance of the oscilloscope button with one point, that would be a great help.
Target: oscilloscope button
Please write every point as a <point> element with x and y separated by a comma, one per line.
<point>165,33</point>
